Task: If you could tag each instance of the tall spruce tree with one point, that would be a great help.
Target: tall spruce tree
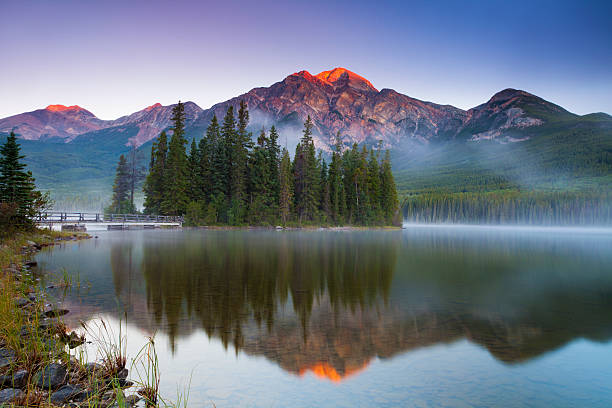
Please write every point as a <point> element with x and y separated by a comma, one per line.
<point>121,189</point>
<point>259,182</point>
<point>273,153</point>
<point>374,209</point>
<point>154,182</point>
<point>306,176</point>
<point>194,172</point>
<point>285,181</point>
<point>17,191</point>
<point>388,191</point>
<point>176,175</point>
<point>238,154</point>
<point>137,172</point>
<point>336,185</point>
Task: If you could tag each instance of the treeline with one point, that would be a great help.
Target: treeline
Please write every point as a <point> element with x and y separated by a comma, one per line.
<point>517,207</point>
<point>226,178</point>
<point>20,202</point>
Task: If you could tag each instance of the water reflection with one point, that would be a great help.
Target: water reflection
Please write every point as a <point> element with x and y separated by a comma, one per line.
<point>330,302</point>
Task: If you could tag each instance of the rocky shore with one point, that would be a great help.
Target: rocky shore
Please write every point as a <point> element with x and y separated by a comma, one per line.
<point>38,358</point>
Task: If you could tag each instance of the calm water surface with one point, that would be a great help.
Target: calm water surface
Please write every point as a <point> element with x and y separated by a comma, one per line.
<point>458,317</point>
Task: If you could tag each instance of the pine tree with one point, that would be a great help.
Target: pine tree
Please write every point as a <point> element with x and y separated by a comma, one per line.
<point>375,215</point>
<point>285,187</point>
<point>259,182</point>
<point>153,186</point>
<point>273,152</point>
<point>336,186</point>
<point>17,191</point>
<point>121,189</point>
<point>176,175</point>
<point>195,179</point>
<point>390,204</point>
<point>306,176</point>
<point>228,137</point>
<point>137,172</point>
<point>324,201</point>
<point>238,154</point>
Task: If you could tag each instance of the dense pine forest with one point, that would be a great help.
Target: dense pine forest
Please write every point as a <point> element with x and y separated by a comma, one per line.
<point>228,179</point>
<point>511,206</point>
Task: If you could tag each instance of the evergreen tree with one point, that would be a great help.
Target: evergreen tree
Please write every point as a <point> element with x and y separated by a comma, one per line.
<point>273,152</point>
<point>204,167</point>
<point>17,191</point>
<point>323,187</point>
<point>228,136</point>
<point>195,180</point>
<point>137,172</point>
<point>238,153</point>
<point>121,189</point>
<point>176,175</point>
<point>259,181</point>
<point>285,187</point>
<point>375,215</point>
<point>388,191</point>
<point>306,176</point>
<point>336,186</point>
<point>154,182</point>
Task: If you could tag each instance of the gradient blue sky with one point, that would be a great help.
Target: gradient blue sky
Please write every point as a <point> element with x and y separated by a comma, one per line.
<point>117,57</point>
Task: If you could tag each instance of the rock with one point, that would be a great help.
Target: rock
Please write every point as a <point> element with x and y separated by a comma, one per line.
<point>123,374</point>
<point>94,368</point>
<point>50,377</point>
<point>21,302</point>
<point>132,400</point>
<point>56,312</point>
<point>17,380</point>
<point>7,356</point>
<point>74,340</point>
<point>30,263</point>
<point>65,393</point>
<point>11,395</point>
<point>31,243</point>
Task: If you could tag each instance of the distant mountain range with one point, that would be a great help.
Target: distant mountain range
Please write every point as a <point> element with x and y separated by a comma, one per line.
<point>69,148</point>
<point>337,100</point>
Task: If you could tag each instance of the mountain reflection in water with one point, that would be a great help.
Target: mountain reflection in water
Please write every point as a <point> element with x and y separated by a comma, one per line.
<point>329,302</point>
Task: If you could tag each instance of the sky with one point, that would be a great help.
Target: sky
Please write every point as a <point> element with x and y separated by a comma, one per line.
<point>117,57</point>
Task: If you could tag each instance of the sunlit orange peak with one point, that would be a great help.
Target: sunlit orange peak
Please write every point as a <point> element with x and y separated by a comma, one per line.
<point>157,105</point>
<point>336,73</point>
<point>61,108</point>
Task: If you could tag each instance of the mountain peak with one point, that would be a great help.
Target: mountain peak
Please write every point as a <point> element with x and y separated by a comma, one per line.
<point>155,105</point>
<point>343,74</point>
<point>63,108</point>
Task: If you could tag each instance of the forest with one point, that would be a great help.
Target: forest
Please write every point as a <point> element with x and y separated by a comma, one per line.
<point>227,178</point>
<point>511,206</point>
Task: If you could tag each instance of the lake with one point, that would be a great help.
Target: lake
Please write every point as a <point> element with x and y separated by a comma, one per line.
<point>426,316</point>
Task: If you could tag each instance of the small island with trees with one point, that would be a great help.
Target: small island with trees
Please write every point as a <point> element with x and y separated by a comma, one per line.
<point>228,179</point>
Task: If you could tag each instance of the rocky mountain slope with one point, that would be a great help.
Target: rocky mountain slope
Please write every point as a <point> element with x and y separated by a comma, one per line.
<point>337,100</point>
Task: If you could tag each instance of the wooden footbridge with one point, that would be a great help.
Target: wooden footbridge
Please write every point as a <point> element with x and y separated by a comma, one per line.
<point>112,221</point>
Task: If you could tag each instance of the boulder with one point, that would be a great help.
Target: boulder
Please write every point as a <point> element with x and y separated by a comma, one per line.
<point>51,377</point>
<point>65,393</point>
<point>17,380</point>
<point>11,395</point>
<point>7,357</point>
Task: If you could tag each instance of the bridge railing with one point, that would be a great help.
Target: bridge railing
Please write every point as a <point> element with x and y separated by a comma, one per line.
<point>56,216</point>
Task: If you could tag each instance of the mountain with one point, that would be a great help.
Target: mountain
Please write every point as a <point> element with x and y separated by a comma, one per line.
<point>508,112</point>
<point>65,122</point>
<point>340,100</point>
<point>337,100</point>
<point>514,139</point>
<point>69,122</point>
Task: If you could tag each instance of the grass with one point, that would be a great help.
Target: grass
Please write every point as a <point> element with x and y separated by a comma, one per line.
<point>38,341</point>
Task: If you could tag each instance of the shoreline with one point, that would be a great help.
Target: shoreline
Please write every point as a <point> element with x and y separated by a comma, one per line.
<point>37,364</point>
